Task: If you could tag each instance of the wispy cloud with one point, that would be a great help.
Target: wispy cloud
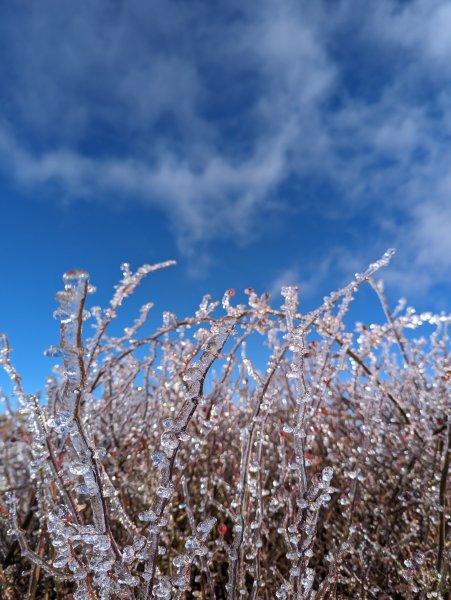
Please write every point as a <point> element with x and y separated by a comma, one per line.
<point>203,113</point>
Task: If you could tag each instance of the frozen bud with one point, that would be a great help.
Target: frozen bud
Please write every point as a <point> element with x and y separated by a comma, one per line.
<point>163,589</point>
<point>168,424</point>
<point>345,547</point>
<point>4,346</point>
<point>165,491</point>
<point>192,374</point>
<point>159,460</point>
<point>79,467</point>
<point>181,581</point>
<point>62,423</point>
<point>419,558</point>
<point>169,319</point>
<point>147,515</point>
<point>75,279</point>
<point>100,453</point>
<point>327,474</point>
<point>61,562</point>
<point>300,434</point>
<point>206,526</point>
<point>169,442</point>
<point>128,554</point>
<point>181,561</point>
<point>192,543</point>
<point>102,543</point>
<point>325,498</point>
<point>139,541</point>
<point>53,352</point>
<point>102,566</point>
<point>202,550</point>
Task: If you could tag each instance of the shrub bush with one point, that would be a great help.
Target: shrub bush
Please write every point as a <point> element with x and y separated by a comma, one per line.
<point>176,464</point>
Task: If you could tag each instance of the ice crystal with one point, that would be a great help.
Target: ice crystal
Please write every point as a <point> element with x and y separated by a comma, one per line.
<point>165,491</point>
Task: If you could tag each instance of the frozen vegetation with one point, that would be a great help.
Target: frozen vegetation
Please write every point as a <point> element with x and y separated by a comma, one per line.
<point>172,463</point>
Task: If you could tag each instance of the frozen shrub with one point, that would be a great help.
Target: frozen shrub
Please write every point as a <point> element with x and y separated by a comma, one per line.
<point>174,464</point>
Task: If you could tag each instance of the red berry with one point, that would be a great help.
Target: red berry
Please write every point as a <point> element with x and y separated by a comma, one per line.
<point>231,292</point>
<point>222,529</point>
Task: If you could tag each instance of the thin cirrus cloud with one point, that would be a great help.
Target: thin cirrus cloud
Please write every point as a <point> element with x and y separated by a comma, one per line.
<point>204,111</point>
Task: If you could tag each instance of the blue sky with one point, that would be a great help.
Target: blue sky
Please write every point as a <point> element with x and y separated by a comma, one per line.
<point>257,143</point>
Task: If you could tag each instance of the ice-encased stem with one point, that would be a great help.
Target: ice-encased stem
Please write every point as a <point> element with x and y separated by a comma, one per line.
<point>70,314</point>
<point>194,378</point>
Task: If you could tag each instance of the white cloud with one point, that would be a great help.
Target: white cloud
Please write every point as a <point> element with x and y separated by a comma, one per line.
<point>218,200</point>
<point>194,175</point>
<point>157,81</point>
